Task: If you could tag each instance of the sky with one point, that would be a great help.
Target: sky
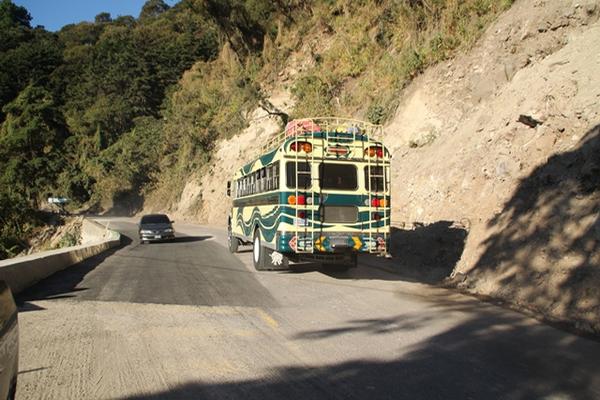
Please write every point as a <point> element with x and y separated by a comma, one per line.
<point>54,14</point>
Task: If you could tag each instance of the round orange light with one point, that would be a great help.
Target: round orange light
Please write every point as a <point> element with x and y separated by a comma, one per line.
<point>292,199</point>
<point>382,202</point>
<point>307,147</point>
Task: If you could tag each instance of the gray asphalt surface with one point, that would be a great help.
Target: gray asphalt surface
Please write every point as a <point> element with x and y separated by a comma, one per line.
<point>186,319</point>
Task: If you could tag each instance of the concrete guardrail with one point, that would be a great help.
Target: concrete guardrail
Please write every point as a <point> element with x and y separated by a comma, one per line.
<point>22,272</point>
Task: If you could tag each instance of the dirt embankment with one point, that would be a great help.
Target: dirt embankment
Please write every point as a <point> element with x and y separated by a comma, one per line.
<point>530,194</point>
<point>60,232</point>
<point>528,191</point>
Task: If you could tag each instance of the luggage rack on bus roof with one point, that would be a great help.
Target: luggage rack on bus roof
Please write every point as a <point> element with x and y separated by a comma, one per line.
<point>333,127</point>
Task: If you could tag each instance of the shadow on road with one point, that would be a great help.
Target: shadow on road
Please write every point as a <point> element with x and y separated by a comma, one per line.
<point>427,253</point>
<point>183,239</point>
<point>63,284</point>
<point>544,250</point>
<point>489,355</point>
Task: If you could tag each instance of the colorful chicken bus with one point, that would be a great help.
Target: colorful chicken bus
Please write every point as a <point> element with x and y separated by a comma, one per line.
<point>319,192</point>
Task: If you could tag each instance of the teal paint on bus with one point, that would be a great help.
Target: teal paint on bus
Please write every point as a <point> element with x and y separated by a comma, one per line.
<point>267,158</point>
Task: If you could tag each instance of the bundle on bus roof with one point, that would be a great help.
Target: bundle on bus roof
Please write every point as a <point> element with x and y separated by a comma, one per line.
<point>330,126</point>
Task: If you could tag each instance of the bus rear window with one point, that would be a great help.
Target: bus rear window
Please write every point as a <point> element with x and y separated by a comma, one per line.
<point>377,176</point>
<point>338,176</point>
<point>304,175</point>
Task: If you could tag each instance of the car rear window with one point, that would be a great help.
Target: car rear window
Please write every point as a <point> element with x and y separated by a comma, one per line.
<point>155,219</point>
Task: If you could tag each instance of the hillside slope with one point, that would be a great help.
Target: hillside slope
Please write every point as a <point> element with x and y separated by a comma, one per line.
<point>529,195</point>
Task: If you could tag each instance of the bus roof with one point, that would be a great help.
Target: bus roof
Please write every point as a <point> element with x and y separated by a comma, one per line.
<point>340,131</point>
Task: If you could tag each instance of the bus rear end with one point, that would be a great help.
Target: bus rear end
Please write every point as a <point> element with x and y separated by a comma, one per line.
<point>336,192</point>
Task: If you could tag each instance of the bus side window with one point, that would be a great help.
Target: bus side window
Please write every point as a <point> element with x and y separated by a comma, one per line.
<point>276,175</point>
<point>270,177</point>
<point>256,182</point>
<point>259,181</point>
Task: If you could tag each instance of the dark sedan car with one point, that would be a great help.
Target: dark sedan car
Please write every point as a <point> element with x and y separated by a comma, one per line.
<point>155,227</point>
<point>9,344</point>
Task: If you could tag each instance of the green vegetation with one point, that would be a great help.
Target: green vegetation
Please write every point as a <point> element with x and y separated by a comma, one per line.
<point>103,113</point>
<point>69,239</point>
<point>375,48</point>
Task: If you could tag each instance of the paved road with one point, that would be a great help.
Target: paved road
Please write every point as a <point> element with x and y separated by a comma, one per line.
<point>189,320</point>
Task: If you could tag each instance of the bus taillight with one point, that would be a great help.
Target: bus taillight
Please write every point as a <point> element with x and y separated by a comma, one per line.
<point>301,146</point>
<point>293,200</point>
<point>374,151</point>
<point>375,202</point>
<point>376,216</point>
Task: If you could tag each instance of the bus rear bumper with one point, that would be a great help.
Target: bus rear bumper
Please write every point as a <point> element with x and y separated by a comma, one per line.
<point>331,243</point>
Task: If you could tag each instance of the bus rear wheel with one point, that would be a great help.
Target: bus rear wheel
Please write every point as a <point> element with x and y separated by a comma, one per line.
<point>266,259</point>
<point>232,242</point>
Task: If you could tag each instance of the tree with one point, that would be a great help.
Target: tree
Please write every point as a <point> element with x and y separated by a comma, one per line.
<point>103,18</point>
<point>31,141</point>
<point>12,15</point>
<point>153,8</point>
<point>26,54</point>
<point>125,20</point>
